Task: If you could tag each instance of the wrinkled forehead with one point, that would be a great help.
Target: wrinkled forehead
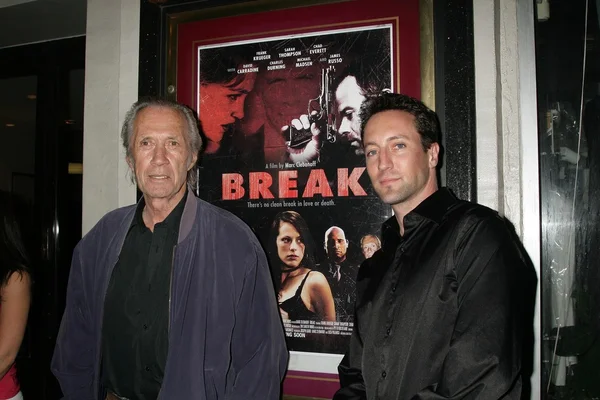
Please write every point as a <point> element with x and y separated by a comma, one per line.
<point>157,115</point>
<point>161,118</point>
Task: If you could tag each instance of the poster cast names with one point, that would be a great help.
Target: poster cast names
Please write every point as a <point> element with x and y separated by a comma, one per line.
<point>300,328</point>
<point>293,56</point>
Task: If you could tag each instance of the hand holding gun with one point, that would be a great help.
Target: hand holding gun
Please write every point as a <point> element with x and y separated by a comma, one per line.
<point>320,110</point>
<point>304,133</point>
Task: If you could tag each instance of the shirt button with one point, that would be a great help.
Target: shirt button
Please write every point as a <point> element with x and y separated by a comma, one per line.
<point>145,327</point>
<point>383,374</point>
<point>147,368</point>
<point>394,289</point>
<point>388,331</point>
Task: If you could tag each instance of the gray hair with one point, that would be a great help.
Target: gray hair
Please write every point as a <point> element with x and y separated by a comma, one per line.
<point>374,237</point>
<point>194,140</point>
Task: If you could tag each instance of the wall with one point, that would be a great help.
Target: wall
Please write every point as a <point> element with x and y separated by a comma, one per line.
<point>112,54</point>
<point>507,155</point>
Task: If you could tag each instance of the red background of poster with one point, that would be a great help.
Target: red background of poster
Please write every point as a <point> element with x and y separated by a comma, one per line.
<point>404,17</point>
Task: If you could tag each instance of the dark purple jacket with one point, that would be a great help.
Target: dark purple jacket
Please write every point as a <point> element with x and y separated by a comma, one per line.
<point>226,340</point>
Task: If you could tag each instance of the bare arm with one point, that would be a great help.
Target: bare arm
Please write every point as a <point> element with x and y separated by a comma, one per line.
<point>320,297</point>
<point>16,297</point>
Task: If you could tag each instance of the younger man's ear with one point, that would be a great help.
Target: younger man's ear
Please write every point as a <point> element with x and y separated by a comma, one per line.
<point>433,153</point>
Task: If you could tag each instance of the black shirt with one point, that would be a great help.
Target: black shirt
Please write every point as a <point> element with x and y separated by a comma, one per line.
<point>136,309</point>
<point>441,310</point>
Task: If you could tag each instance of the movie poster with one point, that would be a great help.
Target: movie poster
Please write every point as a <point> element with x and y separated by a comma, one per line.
<point>284,153</point>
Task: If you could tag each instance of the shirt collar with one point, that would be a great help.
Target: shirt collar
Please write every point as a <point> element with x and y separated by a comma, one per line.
<point>433,208</point>
<point>171,222</point>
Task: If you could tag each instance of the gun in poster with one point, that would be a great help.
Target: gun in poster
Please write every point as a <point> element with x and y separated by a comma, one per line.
<point>321,110</point>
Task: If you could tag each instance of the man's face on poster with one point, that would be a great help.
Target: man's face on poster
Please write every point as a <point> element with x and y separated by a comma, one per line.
<point>336,245</point>
<point>349,97</point>
<point>221,104</point>
<point>285,93</point>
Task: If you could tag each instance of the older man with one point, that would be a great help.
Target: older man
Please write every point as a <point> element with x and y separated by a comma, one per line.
<point>157,304</point>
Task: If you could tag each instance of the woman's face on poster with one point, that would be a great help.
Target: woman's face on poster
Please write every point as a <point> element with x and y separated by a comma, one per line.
<point>290,246</point>
<point>221,104</point>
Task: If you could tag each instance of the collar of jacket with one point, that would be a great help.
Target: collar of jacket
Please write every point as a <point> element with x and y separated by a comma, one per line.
<point>189,216</point>
<point>433,208</point>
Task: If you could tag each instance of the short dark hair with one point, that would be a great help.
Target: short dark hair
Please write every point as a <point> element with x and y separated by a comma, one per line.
<point>13,255</point>
<point>371,80</point>
<point>426,120</point>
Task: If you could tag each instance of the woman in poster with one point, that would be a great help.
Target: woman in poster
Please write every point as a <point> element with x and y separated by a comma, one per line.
<point>303,294</point>
<point>224,86</point>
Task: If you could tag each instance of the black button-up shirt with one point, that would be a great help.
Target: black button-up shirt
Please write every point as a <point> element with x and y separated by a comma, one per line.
<point>440,312</point>
<point>136,309</point>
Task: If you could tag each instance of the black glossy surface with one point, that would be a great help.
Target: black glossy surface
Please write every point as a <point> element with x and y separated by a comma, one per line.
<point>153,39</point>
<point>57,200</point>
<point>455,93</point>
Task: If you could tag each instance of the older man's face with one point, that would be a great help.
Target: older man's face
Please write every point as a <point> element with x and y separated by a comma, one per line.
<point>160,155</point>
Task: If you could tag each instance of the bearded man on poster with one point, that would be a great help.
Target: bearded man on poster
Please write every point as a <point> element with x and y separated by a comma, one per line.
<point>444,306</point>
<point>340,271</point>
<point>158,306</point>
